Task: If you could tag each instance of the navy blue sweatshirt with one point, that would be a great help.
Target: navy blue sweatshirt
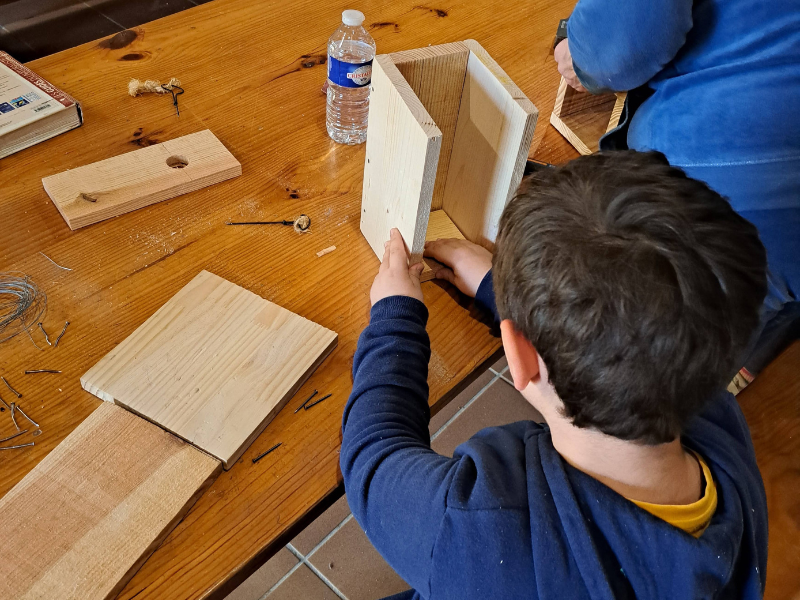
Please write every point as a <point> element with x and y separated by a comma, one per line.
<point>507,517</point>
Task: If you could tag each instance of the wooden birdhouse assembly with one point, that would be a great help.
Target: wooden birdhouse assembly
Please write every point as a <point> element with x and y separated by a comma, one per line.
<point>447,141</point>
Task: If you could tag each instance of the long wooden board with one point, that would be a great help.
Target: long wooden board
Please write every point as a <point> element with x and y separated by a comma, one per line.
<point>213,365</point>
<point>82,522</point>
<point>493,136</point>
<point>584,118</point>
<point>403,145</point>
<point>130,181</point>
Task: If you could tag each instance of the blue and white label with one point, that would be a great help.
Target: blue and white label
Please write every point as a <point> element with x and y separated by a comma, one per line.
<point>351,75</point>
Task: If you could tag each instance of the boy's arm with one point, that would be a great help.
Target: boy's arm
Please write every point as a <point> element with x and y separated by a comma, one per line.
<point>396,485</point>
<point>619,45</point>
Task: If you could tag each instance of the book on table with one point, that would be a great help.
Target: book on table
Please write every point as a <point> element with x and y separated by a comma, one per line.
<point>31,109</point>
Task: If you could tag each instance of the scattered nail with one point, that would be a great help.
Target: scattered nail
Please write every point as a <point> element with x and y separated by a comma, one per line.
<point>303,405</point>
<point>307,406</point>
<point>263,454</point>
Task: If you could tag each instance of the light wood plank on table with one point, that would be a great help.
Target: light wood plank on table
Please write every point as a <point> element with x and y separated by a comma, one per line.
<point>214,365</point>
<point>80,524</point>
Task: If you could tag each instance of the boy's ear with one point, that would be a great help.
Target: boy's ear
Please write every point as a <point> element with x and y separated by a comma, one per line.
<point>523,360</point>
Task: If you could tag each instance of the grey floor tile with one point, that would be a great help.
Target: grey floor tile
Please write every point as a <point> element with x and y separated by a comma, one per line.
<point>498,405</point>
<point>459,401</point>
<point>259,582</point>
<point>350,562</point>
<point>500,364</point>
<point>303,585</point>
<point>322,526</point>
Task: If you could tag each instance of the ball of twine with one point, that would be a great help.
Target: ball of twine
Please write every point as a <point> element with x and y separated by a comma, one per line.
<point>302,223</point>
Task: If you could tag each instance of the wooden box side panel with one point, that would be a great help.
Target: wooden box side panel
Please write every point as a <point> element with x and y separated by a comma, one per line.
<point>83,521</point>
<point>117,185</point>
<point>493,136</point>
<point>402,155</point>
<point>436,75</point>
<point>213,365</point>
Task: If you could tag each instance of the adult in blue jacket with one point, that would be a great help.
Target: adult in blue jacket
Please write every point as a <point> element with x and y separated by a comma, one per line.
<point>715,86</point>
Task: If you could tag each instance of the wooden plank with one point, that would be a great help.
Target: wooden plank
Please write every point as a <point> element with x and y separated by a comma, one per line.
<point>127,182</point>
<point>213,365</point>
<point>493,136</point>
<point>439,226</point>
<point>584,118</point>
<point>403,145</point>
<point>436,74</point>
<point>82,522</point>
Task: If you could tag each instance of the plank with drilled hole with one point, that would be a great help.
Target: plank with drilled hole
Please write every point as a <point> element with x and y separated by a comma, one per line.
<point>118,185</point>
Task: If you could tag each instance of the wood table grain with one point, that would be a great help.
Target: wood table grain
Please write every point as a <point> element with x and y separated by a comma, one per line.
<point>252,70</point>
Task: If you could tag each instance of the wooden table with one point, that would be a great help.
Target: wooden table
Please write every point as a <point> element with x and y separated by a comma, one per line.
<point>252,70</point>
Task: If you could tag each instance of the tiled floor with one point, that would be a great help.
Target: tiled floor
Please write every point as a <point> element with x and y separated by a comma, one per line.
<point>30,29</point>
<point>332,557</point>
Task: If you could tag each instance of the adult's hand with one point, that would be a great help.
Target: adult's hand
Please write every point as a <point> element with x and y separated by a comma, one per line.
<point>564,61</point>
<point>396,277</point>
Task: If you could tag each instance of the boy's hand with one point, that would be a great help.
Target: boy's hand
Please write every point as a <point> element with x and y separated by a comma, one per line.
<point>465,263</point>
<point>395,277</point>
<point>564,59</point>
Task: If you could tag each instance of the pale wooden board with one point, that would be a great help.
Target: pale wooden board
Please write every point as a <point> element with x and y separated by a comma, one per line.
<point>493,137</point>
<point>213,365</point>
<point>137,179</point>
<point>582,118</point>
<point>82,522</point>
<point>402,154</point>
<point>439,226</point>
<point>436,74</point>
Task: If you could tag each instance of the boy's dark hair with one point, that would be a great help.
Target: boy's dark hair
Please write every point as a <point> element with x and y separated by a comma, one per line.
<point>639,287</point>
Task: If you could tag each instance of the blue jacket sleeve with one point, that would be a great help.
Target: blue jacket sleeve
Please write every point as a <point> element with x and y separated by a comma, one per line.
<point>396,485</point>
<point>484,297</point>
<point>618,45</point>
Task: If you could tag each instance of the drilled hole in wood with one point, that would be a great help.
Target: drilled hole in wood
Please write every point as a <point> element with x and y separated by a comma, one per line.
<point>176,161</point>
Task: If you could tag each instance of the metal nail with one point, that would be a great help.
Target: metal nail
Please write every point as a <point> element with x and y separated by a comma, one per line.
<point>314,393</point>
<point>32,371</point>
<point>13,447</point>
<point>11,437</point>
<point>46,337</point>
<point>307,406</point>
<point>60,335</point>
<point>263,454</point>
<point>19,408</point>
<point>13,391</point>
<point>13,418</point>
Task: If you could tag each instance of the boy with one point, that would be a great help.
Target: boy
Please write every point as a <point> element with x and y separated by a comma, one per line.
<point>626,293</point>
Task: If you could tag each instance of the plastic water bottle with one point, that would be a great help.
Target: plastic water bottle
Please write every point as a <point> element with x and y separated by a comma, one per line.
<point>350,53</point>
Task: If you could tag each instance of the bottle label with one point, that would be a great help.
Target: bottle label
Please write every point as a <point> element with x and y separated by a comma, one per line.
<point>351,75</point>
